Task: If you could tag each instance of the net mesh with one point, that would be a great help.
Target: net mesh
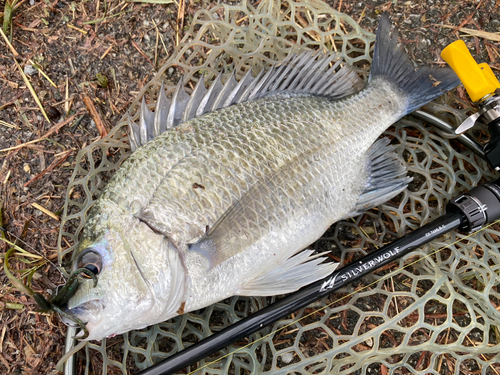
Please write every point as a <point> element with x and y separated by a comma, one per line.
<point>436,314</point>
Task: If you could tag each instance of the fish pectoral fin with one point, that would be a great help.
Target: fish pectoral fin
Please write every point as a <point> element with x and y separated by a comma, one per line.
<point>263,206</point>
<point>288,276</point>
<point>386,177</point>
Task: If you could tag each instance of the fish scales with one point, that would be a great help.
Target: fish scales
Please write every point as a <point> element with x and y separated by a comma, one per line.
<point>251,141</point>
<point>223,203</point>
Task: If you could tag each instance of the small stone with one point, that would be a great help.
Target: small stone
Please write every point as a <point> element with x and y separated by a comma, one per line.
<point>423,43</point>
<point>369,342</point>
<point>287,357</point>
<point>30,70</point>
<point>495,23</point>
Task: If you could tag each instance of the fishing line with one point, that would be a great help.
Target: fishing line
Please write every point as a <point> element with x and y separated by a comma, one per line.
<point>383,278</point>
<point>29,246</point>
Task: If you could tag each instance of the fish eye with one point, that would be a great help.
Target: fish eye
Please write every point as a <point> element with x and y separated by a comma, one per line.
<point>91,260</point>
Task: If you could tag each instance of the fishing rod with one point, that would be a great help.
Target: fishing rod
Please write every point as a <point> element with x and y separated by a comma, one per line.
<point>468,212</point>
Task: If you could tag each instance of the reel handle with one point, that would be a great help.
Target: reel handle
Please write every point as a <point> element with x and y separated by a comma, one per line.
<point>484,89</point>
<point>478,79</point>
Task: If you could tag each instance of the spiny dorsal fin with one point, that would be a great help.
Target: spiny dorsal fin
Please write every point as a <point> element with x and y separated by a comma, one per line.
<point>306,73</point>
<point>161,112</point>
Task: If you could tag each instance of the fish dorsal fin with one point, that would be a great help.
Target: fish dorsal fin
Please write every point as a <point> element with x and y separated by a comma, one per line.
<point>308,73</point>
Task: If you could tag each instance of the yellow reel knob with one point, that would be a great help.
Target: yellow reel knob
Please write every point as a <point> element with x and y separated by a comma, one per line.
<point>479,80</point>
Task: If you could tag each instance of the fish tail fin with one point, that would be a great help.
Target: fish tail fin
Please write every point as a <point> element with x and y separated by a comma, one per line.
<point>420,85</point>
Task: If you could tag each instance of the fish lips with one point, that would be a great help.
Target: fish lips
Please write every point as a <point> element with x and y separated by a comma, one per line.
<point>83,311</point>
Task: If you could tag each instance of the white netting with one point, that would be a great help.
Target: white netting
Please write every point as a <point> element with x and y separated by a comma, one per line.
<point>438,316</point>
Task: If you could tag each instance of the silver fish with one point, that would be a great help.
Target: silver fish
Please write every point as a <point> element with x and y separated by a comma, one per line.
<point>227,186</point>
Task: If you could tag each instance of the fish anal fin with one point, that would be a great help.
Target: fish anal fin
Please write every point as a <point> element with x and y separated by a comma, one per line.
<point>386,177</point>
<point>285,277</point>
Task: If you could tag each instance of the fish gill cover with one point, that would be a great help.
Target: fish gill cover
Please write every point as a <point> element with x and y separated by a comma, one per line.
<point>436,315</point>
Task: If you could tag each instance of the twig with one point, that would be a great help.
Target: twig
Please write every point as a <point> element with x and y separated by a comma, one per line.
<point>7,177</point>
<point>32,90</point>
<point>472,32</point>
<point>161,37</point>
<point>14,52</point>
<point>95,116</point>
<point>180,16</point>
<point>104,18</point>
<point>11,102</point>
<point>45,211</point>
<point>2,336</point>
<point>105,53</point>
<point>481,34</point>
<point>6,364</point>
<point>467,20</point>
<point>9,125</point>
<point>66,104</point>
<point>54,129</point>
<point>37,67</point>
<point>77,29</point>
<point>142,53</point>
<point>54,164</point>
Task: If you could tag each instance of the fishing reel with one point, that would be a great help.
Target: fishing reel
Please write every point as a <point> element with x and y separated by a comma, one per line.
<point>483,89</point>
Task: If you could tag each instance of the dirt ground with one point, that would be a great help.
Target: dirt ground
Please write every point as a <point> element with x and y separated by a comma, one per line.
<point>73,43</point>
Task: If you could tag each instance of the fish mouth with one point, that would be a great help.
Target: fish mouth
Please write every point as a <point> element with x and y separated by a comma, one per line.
<point>83,312</point>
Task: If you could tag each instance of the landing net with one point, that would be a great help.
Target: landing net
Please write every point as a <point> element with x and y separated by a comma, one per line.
<point>439,316</point>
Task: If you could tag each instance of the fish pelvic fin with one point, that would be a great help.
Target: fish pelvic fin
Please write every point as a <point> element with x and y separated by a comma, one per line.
<point>420,85</point>
<point>386,177</point>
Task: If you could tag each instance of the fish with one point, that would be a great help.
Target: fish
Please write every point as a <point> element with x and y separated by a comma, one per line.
<point>226,187</point>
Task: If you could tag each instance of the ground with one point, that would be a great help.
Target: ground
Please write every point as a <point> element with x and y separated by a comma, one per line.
<point>73,43</point>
